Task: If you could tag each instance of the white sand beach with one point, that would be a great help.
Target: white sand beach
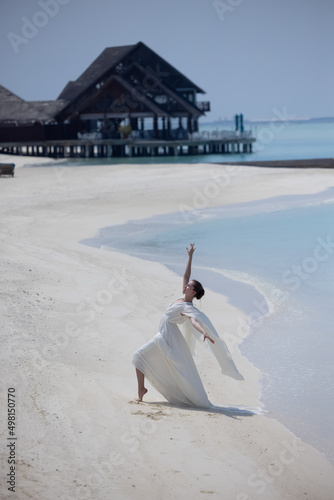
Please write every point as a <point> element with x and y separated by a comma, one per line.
<point>73,315</point>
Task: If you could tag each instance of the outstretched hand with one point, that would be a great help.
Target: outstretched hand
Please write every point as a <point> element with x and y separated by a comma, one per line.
<point>191,250</point>
<point>209,338</point>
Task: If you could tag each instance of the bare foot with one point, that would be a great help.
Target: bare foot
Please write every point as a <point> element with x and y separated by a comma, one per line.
<point>141,394</point>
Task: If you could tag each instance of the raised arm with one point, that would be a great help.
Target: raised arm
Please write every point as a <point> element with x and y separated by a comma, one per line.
<point>187,272</point>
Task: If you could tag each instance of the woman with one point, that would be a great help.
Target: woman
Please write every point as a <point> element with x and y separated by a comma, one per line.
<point>166,360</point>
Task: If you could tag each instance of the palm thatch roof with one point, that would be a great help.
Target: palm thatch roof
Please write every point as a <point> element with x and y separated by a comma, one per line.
<point>113,62</point>
<point>15,109</point>
<point>110,60</point>
<point>106,60</point>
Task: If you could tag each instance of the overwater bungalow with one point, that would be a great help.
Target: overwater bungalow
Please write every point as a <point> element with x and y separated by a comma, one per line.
<point>129,101</point>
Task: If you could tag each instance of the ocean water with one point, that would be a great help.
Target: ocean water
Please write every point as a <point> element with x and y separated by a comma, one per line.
<point>275,140</point>
<point>274,259</point>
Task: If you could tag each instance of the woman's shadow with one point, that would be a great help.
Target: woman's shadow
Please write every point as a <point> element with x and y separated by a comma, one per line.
<point>228,411</point>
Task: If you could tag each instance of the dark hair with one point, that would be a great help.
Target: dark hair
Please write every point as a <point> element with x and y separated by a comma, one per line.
<point>198,289</point>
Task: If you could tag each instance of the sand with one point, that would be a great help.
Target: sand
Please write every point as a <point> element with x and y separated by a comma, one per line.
<point>72,315</point>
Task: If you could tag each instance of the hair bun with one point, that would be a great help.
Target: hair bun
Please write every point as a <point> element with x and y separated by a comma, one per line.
<point>198,289</point>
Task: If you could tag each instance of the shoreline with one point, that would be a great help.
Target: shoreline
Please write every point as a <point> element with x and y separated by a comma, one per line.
<point>307,163</point>
<point>230,285</point>
<point>75,314</point>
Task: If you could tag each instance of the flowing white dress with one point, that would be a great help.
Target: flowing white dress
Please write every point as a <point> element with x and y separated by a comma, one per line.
<point>167,360</point>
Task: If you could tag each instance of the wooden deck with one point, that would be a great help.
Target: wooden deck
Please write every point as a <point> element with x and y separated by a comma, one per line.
<point>121,148</point>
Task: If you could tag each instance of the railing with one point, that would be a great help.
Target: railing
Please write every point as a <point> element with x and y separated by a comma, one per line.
<point>175,134</point>
<point>203,105</point>
<point>220,134</point>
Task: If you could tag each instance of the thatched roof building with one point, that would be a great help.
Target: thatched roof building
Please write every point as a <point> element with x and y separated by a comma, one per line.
<point>14,110</point>
<point>129,85</point>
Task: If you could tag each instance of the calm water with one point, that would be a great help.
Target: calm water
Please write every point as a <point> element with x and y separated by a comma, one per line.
<point>275,260</point>
<point>275,141</point>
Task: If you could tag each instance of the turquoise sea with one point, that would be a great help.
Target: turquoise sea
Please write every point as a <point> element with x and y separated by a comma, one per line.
<point>275,140</point>
<point>274,260</point>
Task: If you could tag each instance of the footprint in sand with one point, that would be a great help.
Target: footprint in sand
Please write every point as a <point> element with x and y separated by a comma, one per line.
<point>154,416</point>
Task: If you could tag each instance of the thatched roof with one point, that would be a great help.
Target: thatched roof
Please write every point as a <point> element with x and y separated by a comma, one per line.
<point>108,61</point>
<point>113,62</point>
<point>8,96</point>
<point>15,109</point>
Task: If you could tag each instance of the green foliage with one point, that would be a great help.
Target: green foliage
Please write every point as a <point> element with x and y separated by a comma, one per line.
<point>125,130</point>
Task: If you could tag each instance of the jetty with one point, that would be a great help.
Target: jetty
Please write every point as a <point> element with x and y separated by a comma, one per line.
<point>121,148</point>
<point>128,102</point>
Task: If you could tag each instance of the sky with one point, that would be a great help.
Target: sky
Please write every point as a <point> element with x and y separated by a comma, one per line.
<point>261,58</point>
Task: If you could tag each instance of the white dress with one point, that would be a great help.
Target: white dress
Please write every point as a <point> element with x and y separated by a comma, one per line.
<point>167,361</point>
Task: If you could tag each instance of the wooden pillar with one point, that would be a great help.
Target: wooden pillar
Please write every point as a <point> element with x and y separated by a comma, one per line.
<point>164,134</point>
<point>169,126</point>
<point>190,125</point>
<point>134,123</point>
<point>155,126</point>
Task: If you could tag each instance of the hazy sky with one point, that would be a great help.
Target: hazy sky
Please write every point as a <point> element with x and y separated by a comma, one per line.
<point>250,56</point>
